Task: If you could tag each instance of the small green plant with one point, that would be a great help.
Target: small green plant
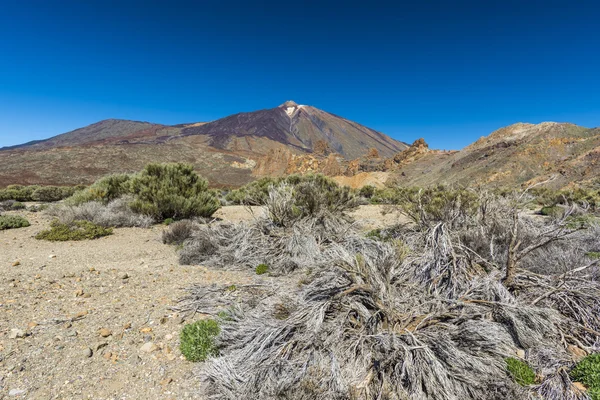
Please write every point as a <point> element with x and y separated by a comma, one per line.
<point>261,269</point>
<point>581,221</point>
<point>168,221</point>
<point>198,340</point>
<point>376,234</point>
<point>593,254</point>
<point>225,315</point>
<point>37,208</point>
<point>522,373</point>
<point>78,230</point>
<point>231,288</point>
<point>551,211</point>
<point>17,205</point>
<point>12,222</point>
<point>587,371</point>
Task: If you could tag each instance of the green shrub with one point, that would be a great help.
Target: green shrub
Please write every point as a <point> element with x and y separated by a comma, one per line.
<point>367,191</point>
<point>300,196</point>
<point>78,230</point>
<point>12,222</point>
<point>37,193</point>
<point>168,221</point>
<point>17,205</point>
<point>261,269</point>
<point>552,211</point>
<point>162,191</point>
<point>313,192</point>
<point>253,194</point>
<point>587,371</point>
<point>198,340</point>
<point>17,192</point>
<point>104,190</point>
<point>522,373</point>
<point>550,198</point>
<point>52,193</point>
<point>172,191</point>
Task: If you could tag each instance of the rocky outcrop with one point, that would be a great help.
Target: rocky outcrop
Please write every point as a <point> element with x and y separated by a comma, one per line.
<point>282,162</point>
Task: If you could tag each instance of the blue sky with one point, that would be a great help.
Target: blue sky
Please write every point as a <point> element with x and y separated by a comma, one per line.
<point>448,71</point>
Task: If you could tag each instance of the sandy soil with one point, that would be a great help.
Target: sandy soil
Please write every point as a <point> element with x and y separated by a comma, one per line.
<point>95,316</point>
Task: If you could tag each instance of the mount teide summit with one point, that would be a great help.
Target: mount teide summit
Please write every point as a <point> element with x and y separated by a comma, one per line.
<point>225,151</point>
<point>297,126</point>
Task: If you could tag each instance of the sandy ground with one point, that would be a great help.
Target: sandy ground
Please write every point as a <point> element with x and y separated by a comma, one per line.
<point>95,315</point>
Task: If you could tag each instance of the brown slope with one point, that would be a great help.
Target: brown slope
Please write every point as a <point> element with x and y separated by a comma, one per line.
<point>513,156</point>
<point>101,131</point>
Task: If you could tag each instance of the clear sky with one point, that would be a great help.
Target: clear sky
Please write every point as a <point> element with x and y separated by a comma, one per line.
<point>448,71</point>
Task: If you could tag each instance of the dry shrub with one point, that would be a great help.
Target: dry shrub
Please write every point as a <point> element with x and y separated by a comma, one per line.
<point>114,214</point>
<point>179,232</point>
<point>363,321</point>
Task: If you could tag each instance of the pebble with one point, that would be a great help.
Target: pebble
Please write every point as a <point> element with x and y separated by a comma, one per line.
<point>520,353</point>
<point>166,381</point>
<point>52,256</point>
<point>105,332</point>
<point>88,352</point>
<point>576,353</point>
<point>17,333</point>
<point>168,336</point>
<point>149,347</point>
<point>80,315</point>
<point>16,392</point>
<point>16,263</point>
<point>124,276</point>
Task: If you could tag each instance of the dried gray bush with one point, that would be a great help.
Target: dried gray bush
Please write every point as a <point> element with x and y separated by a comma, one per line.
<point>179,232</point>
<point>114,214</point>
<point>355,318</point>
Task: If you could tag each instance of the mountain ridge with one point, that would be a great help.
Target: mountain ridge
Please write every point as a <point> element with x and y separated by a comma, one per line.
<point>294,138</point>
<point>225,150</point>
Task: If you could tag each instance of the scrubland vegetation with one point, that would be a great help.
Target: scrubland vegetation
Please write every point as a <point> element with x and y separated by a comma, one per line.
<point>38,193</point>
<point>475,295</point>
<point>475,298</point>
<point>12,222</point>
<point>158,192</point>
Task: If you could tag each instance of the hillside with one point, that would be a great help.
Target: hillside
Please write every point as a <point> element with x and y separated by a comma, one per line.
<point>515,155</point>
<point>225,150</point>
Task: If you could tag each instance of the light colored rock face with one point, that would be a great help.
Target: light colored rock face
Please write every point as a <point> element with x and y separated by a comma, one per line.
<point>371,169</point>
